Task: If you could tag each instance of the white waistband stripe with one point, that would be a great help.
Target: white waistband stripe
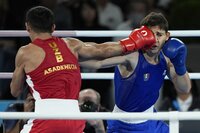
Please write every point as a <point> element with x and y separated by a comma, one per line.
<point>56,106</point>
<point>118,110</point>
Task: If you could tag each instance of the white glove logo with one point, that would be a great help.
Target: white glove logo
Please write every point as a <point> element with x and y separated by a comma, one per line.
<point>144,32</point>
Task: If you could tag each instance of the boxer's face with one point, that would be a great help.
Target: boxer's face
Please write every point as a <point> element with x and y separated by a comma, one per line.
<point>161,36</point>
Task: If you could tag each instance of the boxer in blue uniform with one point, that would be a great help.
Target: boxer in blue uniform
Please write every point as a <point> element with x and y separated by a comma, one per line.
<point>140,75</point>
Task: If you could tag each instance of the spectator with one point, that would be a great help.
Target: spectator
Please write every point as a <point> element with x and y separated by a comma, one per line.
<point>109,14</point>
<point>136,10</point>
<point>173,100</point>
<point>63,14</point>
<point>176,101</point>
<point>14,126</point>
<point>90,101</point>
<point>89,20</point>
<point>68,7</point>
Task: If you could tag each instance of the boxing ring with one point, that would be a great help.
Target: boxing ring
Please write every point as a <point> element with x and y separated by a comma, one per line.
<point>173,117</point>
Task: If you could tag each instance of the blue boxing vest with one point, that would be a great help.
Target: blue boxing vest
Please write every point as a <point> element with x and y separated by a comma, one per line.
<point>140,90</point>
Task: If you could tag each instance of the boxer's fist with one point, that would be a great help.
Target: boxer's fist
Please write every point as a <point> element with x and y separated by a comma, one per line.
<point>176,51</point>
<point>138,39</point>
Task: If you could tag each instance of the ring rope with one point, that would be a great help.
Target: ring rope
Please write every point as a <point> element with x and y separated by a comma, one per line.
<point>107,76</point>
<point>103,115</point>
<point>173,116</point>
<point>173,121</point>
<point>98,33</point>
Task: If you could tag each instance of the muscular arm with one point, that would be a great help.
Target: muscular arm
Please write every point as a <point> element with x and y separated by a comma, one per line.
<point>18,75</point>
<point>126,63</point>
<point>182,83</point>
<point>90,50</point>
<point>141,38</point>
<point>138,39</point>
<point>176,51</point>
<point>109,62</point>
<point>100,51</point>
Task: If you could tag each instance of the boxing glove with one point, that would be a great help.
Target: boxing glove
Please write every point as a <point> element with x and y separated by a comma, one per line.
<point>176,51</point>
<point>138,39</point>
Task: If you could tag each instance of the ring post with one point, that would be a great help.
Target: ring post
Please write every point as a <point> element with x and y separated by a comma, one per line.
<point>173,122</point>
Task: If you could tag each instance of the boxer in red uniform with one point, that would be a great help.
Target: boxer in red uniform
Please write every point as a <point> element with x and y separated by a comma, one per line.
<point>50,67</point>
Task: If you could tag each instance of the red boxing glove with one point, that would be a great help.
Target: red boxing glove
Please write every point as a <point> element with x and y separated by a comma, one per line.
<point>138,39</point>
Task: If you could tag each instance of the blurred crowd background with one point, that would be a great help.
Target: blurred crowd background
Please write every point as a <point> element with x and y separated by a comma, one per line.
<point>98,15</point>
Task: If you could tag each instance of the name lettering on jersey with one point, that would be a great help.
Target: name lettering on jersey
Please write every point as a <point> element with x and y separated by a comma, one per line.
<point>57,53</point>
<point>59,68</point>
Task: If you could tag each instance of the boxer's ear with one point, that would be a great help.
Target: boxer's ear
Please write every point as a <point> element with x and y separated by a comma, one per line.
<point>28,28</point>
<point>168,35</point>
<point>53,28</point>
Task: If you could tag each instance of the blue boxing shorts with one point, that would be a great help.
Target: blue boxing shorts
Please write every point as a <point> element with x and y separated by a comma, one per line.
<point>150,126</point>
<point>136,126</point>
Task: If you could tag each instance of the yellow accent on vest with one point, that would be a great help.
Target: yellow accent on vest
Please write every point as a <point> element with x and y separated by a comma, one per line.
<point>57,53</point>
<point>59,68</point>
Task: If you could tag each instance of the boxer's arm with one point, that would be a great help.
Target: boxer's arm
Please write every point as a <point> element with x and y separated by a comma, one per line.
<point>18,77</point>
<point>138,39</point>
<point>182,83</point>
<point>91,50</point>
<point>176,52</point>
<point>109,62</point>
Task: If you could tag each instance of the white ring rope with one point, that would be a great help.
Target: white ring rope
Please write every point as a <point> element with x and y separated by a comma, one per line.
<point>107,76</point>
<point>98,33</point>
<point>173,115</point>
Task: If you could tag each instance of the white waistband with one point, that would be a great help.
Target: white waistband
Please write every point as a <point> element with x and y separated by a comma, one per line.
<point>56,106</point>
<point>118,110</point>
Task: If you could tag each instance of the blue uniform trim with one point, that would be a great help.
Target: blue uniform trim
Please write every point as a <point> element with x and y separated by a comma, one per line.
<point>151,126</point>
